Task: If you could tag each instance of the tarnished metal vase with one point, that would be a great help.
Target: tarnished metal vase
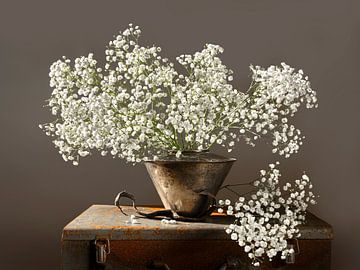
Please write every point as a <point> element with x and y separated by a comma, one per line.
<point>188,185</point>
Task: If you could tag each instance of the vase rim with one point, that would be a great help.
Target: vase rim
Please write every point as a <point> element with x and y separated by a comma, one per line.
<point>228,160</point>
<point>196,156</point>
<point>194,151</point>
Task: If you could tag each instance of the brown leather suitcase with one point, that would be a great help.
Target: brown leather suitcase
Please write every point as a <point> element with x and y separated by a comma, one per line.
<point>102,238</point>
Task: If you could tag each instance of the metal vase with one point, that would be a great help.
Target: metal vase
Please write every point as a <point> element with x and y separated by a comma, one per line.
<point>188,185</point>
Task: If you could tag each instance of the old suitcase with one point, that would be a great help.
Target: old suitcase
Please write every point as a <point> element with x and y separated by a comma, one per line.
<point>102,233</point>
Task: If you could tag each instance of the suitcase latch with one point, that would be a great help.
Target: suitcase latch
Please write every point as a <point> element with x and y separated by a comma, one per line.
<point>290,258</point>
<point>102,246</point>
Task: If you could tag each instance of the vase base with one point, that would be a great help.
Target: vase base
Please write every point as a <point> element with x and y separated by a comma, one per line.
<point>163,213</point>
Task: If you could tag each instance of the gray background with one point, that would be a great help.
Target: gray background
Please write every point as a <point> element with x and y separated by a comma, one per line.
<point>40,193</point>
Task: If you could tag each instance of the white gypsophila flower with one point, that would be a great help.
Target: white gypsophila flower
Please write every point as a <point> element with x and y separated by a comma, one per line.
<point>138,106</point>
<point>269,218</point>
<point>274,96</point>
<point>116,111</point>
<point>202,101</point>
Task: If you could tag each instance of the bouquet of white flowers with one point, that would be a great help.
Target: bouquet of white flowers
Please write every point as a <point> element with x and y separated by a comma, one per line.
<point>138,106</point>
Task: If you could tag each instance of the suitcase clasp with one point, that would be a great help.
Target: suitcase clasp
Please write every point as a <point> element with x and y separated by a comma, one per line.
<point>102,246</point>
<point>290,258</point>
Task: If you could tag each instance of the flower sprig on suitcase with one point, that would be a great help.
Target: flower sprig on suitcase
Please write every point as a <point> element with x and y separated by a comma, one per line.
<point>266,220</point>
<point>138,106</point>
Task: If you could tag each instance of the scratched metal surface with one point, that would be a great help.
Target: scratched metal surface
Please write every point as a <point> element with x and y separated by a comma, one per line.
<point>107,220</point>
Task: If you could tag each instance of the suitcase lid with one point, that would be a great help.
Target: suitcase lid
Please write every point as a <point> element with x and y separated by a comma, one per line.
<point>108,221</point>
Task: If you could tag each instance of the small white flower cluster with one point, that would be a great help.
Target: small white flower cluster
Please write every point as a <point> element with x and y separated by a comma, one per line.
<point>117,109</point>
<point>202,101</point>
<point>166,221</point>
<point>265,221</point>
<point>133,220</point>
<point>138,106</point>
<point>274,96</point>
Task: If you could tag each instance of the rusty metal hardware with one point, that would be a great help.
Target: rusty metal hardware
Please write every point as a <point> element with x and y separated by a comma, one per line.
<point>154,214</point>
<point>102,249</point>
<point>124,194</point>
<point>233,263</point>
<point>290,258</point>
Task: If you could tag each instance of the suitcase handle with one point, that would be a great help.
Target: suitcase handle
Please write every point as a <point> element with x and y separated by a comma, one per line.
<point>158,265</point>
<point>233,263</point>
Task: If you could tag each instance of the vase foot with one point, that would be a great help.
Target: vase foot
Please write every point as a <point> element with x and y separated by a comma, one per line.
<point>159,214</point>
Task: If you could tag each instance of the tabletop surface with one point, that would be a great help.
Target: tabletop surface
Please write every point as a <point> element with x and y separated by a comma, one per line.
<point>107,220</point>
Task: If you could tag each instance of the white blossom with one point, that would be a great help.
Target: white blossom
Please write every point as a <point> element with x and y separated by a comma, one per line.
<point>265,221</point>
<point>138,106</point>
